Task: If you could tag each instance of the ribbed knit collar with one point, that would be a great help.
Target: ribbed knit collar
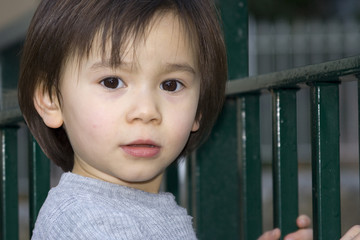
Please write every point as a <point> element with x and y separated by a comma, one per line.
<point>114,191</point>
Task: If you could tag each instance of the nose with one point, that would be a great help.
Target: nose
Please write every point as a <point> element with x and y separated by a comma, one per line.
<point>144,107</point>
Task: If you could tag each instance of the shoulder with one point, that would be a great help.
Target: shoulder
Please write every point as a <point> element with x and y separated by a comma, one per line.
<point>69,215</point>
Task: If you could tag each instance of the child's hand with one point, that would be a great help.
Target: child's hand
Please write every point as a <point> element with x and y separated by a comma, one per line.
<point>352,234</point>
<point>304,232</point>
<point>271,235</point>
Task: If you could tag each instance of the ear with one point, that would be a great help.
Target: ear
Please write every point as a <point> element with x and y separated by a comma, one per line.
<point>196,124</point>
<point>48,107</point>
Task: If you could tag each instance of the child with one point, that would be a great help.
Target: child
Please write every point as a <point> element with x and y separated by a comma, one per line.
<point>115,91</point>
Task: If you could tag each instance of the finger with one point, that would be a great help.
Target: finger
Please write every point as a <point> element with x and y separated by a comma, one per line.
<point>302,234</point>
<point>352,234</point>
<point>303,221</point>
<point>271,235</point>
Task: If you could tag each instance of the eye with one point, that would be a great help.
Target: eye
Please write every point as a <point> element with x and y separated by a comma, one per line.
<point>171,85</point>
<point>112,83</point>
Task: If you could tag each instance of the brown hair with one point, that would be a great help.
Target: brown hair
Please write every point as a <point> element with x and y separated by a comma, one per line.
<point>61,29</point>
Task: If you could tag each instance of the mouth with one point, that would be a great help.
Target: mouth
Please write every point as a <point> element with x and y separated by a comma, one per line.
<point>142,149</point>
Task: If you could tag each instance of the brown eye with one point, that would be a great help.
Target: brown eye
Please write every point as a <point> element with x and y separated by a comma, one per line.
<point>112,83</point>
<point>171,85</point>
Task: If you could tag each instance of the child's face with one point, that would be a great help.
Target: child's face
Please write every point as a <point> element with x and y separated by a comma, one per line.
<point>126,125</point>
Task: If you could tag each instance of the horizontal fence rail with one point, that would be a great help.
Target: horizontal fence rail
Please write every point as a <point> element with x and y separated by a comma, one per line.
<point>340,70</point>
<point>9,108</point>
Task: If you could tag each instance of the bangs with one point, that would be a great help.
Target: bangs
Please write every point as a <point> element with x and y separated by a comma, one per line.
<point>111,32</point>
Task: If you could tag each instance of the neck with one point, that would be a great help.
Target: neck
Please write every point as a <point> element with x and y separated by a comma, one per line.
<point>151,186</point>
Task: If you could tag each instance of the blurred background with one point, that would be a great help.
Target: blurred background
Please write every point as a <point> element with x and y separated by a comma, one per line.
<point>282,34</point>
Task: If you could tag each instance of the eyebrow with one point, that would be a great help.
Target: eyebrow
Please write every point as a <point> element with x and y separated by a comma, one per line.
<point>101,64</point>
<point>169,67</point>
<point>179,67</point>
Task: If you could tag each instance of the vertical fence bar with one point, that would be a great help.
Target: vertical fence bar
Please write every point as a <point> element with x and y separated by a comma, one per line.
<point>190,186</point>
<point>215,168</point>
<point>235,20</point>
<point>216,181</point>
<point>9,184</point>
<point>325,160</point>
<point>285,169</point>
<point>250,166</point>
<point>39,180</point>
<point>172,180</point>
<point>9,58</point>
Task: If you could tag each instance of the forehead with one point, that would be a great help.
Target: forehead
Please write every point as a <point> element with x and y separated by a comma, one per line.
<point>164,28</point>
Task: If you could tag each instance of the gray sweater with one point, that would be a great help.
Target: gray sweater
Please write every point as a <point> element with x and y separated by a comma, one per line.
<point>86,208</point>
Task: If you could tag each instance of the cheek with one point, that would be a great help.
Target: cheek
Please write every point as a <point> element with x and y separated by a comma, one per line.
<point>90,135</point>
<point>86,121</point>
<point>182,121</point>
<point>97,123</point>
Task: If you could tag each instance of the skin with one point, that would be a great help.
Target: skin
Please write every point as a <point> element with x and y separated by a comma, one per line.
<point>129,123</point>
<point>304,232</point>
<point>352,234</point>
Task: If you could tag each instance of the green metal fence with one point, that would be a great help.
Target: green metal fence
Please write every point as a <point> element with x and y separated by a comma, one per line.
<point>224,175</point>
<point>323,81</point>
<point>38,164</point>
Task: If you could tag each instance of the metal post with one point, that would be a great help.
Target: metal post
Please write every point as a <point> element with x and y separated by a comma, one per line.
<point>215,164</point>
<point>325,160</point>
<point>9,184</point>
<point>285,170</point>
<point>39,180</point>
<point>249,166</point>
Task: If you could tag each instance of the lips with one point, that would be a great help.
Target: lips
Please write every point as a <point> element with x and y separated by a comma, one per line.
<point>142,149</point>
